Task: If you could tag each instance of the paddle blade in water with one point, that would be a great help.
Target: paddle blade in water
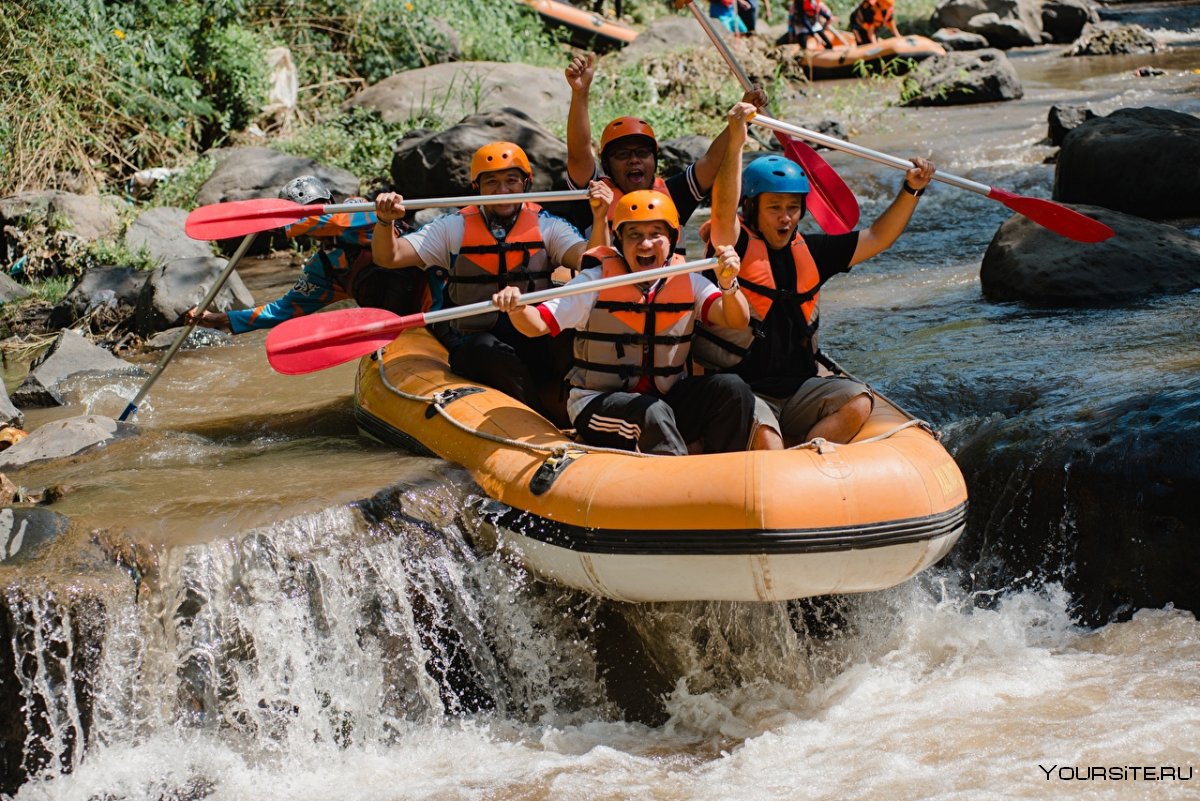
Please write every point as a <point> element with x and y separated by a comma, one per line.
<point>241,217</point>
<point>830,201</point>
<point>319,341</point>
<point>1056,217</point>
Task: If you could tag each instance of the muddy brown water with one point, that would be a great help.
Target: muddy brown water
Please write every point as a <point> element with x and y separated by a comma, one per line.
<point>304,668</point>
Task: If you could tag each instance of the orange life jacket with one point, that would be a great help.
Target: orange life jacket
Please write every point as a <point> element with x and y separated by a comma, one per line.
<point>485,264</point>
<point>631,334</point>
<point>659,186</point>
<point>718,347</point>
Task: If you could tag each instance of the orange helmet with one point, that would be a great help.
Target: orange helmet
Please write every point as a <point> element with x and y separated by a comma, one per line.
<point>646,205</point>
<point>626,126</point>
<point>499,156</point>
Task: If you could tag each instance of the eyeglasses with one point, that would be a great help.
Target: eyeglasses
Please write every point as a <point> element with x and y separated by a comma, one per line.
<point>639,153</point>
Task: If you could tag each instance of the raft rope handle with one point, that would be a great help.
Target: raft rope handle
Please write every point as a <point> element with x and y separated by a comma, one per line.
<point>817,444</point>
<point>431,400</point>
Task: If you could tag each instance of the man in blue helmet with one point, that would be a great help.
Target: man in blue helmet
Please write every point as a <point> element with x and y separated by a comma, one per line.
<point>781,274</point>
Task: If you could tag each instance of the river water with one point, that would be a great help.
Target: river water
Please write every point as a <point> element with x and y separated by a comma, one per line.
<point>293,644</point>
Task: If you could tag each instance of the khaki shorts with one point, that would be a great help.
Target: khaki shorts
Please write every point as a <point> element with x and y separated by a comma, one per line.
<point>816,399</point>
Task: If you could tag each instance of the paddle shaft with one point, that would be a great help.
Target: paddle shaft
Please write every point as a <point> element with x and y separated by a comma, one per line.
<point>403,323</point>
<point>722,47</point>
<point>467,200</point>
<point>865,152</point>
<point>131,409</point>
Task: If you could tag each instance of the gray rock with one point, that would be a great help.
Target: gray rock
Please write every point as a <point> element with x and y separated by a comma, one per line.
<point>9,415</point>
<point>60,438</point>
<point>1140,161</point>
<point>958,39</point>
<point>199,338</point>
<point>181,284</point>
<point>662,36</point>
<point>1063,119</point>
<point>70,355</point>
<point>1103,40</point>
<point>1004,23</point>
<point>10,289</point>
<point>116,286</point>
<point>89,217</point>
<point>438,164</point>
<point>1027,263</point>
<point>982,76</point>
<point>27,532</point>
<point>1064,20</point>
<point>674,155</point>
<point>160,232</point>
<point>463,88</point>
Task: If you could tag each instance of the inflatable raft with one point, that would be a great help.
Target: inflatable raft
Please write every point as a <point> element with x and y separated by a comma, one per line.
<point>842,61</point>
<point>755,526</point>
<point>587,29</point>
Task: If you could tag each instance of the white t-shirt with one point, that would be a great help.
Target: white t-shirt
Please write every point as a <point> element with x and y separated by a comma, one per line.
<point>573,311</point>
<point>438,242</point>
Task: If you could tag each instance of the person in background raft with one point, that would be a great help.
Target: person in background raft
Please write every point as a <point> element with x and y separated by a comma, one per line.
<point>479,251</point>
<point>782,273</point>
<point>341,268</point>
<point>629,150</point>
<point>869,17</point>
<point>629,384</point>
<point>809,18</point>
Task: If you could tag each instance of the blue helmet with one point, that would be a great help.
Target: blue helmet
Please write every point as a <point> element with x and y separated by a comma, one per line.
<point>773,174</point>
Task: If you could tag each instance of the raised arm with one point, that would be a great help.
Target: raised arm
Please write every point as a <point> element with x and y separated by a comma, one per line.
<point>708,164</point>
<point>727,188</point>
<point>581,162</point>
<point>888,226</point>
<point>388,248</point>
<point>600,197</point>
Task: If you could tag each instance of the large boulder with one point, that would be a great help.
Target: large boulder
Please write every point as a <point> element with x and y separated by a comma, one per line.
<point>1028,263</point>
<point>1103,501</point>
<point>674,155</point>
<point>1062,119</point>
<point>178,286</point>
<point>663,36</point>
<point>1109,40</point>
<point>454,90</point>
<point>114,289</point>
<point>69,356</point>
<point>1004,23</point>
<point>958,39</point>
<point>61,438</point>
<point>159,231</point>
<point>10,415</point>
<point>439,163</point>
<point>1140,161</point>
<point>1064,20</point>
<point>25,533</point>
<point>10,290</point>
<point>981,76</point>
<point>257,172</point>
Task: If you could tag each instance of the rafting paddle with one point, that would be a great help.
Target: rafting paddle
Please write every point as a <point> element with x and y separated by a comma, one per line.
<point>240,217</point>
<point>319,341</point>
<point>1046,213</point>
<point>830,202</point>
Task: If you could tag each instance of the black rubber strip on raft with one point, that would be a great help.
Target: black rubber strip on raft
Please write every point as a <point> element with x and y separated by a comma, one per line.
<point>712,542</point>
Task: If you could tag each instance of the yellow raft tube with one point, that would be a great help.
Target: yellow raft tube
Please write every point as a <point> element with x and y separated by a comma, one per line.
<point>817,519</point>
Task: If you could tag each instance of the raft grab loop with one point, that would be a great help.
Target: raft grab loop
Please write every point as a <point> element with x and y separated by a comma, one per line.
<point>448,396</point>
<point>552,468</point>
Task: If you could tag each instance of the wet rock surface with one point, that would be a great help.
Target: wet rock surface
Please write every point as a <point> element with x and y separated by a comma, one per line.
<point>176,287</point>
<point>62,438</point>
<point>980,76</point>
<point>1135,160</point>
<point>69,356</point>
<point>1028,263</point>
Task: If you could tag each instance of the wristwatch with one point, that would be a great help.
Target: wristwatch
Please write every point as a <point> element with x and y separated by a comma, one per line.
<point>910,189</point>
<point>732,287</point>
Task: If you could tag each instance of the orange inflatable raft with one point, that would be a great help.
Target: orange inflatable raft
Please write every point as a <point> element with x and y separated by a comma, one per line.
<point>586,27</point>
<point>752,526</point>
<point>842,60</point>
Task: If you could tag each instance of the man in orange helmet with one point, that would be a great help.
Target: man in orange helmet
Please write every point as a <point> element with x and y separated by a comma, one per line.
<point>629,383</point>
<point>479,251</point>
<point>629,149</point>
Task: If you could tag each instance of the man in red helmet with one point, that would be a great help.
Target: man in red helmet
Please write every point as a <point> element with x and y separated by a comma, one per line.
<point>479,251</point>
<point>629,149</point>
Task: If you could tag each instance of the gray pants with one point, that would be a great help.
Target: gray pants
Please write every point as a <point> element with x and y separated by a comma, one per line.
<point>817,398</point>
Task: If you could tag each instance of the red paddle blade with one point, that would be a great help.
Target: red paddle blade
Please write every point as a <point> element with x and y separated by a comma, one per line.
<point>319,341</point>
<point>1054,216</point>
<point>241,217</point>
<point>830,201</point>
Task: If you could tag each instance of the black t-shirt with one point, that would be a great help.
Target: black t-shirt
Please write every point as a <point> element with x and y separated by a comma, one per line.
<point>781,355</point>
<point>682,188</point>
